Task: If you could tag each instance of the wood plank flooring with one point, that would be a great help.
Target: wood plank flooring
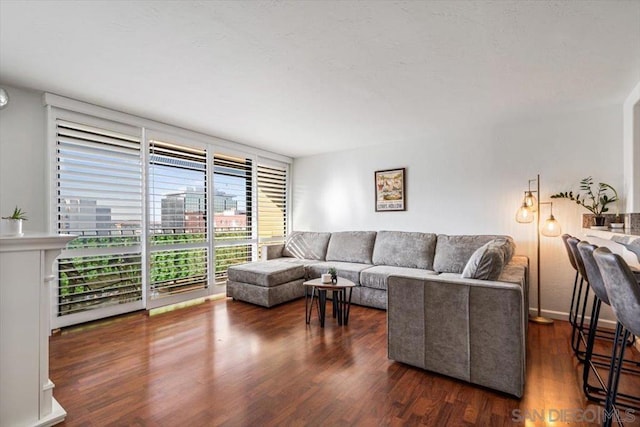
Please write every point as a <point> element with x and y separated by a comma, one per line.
<point>230,363</point>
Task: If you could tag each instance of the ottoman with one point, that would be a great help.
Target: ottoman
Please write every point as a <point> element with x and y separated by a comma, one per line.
<point>266,283</point>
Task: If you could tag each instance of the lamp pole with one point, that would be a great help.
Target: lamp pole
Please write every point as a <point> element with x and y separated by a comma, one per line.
<point>539,318</point>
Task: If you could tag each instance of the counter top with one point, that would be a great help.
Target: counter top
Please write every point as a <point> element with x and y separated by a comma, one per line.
<point>629,240</point>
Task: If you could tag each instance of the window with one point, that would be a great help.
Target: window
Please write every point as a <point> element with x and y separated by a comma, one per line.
<point>99,198</point>
<point>177,220</point>
<point>272,203</point>
<point>160,212</point>
<point>232,212</point>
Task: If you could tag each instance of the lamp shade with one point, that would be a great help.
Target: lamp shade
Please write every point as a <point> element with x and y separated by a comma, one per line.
<point>530,201</point>
<point>524,214</point>
<point>4,98</point>
<point>551,227</point>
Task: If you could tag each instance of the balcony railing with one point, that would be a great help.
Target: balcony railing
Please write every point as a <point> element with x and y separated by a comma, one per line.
<point>88,282</point>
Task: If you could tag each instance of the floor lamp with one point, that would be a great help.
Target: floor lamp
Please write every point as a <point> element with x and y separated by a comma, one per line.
<point>551,228</point>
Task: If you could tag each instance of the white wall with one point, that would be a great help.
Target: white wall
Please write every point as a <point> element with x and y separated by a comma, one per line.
<point>471,184</point>
<point>22,157</point>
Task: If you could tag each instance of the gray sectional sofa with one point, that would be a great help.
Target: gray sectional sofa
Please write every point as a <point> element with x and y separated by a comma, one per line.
<point>456,305</point>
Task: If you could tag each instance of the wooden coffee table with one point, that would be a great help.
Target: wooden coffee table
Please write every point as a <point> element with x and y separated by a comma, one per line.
<point>341,303</point>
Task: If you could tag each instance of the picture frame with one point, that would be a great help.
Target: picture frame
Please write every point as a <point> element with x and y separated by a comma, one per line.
<point>390,190</point>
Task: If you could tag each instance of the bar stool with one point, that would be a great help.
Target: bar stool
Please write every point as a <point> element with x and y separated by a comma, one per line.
<point>624,295</point>
<point>578,326</point>
<point>594,279</point>
<point>580,330</point>
<point>572,261</point>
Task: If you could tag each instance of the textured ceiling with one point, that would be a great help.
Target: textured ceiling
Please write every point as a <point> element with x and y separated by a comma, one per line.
<point>300,78</point>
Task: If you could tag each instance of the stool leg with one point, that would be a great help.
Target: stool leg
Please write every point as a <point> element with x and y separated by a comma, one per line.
<point>580,336</point>
<point>588,365</point>
<point>610,409</point>
<point>575,325</point>
<point>572,319</point>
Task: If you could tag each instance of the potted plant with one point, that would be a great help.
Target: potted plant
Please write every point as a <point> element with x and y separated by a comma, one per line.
<point>334,275</point>
<point>596,202</point>
<point>12,225</point>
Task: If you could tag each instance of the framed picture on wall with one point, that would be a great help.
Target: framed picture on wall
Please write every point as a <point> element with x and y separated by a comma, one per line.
<point>390,190</point>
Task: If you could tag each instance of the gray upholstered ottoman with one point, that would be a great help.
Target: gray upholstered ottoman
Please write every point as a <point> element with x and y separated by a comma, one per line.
<point>266,283</point>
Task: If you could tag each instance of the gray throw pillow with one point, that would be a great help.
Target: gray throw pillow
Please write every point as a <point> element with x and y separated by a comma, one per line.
<point>506,245</point>
<point>487,262</point>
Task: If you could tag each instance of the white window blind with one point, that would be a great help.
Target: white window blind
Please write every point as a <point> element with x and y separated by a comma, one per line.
<point>233,212</point>
<point>98,198</point>
<point>272,203</point>
<point>177,219</point>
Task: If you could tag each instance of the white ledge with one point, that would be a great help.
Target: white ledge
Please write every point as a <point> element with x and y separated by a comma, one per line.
<point>34,241</point>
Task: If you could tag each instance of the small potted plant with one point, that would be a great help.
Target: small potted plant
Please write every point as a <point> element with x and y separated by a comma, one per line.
<point>596,202</point>
<point>334,275</point>
<point>12,225</point>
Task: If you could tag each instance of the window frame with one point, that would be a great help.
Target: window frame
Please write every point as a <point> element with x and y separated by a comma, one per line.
<point>72,110</point>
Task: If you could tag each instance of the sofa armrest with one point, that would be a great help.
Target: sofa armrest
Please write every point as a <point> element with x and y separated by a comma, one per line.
<point>272,251</point>
<point>474,330</point>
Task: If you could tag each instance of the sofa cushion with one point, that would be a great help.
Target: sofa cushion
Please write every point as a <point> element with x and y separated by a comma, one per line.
<point>376,277</point>
<point>346,270</point>
<point>453,252</point>
<point>266,273</point>
<point>514,273</point>
<point>351,246</point>
<point>298,261</point>
<point>404,249</point>
<point>307,245</point>
<point>487,262</point>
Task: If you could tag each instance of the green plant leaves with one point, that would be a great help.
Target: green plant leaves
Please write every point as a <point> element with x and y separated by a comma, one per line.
<point>595,203</point>
<point>17,214</point>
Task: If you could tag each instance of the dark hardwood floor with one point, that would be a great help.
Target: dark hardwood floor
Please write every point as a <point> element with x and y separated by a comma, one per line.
<point>234,364</point>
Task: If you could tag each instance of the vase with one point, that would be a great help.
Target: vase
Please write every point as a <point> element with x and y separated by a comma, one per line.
<point>598,221</point>
<point>334,279</point>
<point>11,227</point>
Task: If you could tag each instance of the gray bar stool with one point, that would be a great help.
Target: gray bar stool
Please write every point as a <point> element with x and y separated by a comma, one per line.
<point>624,295</point>
<point>572,250</point>
<point>572,261</point>
<point>594,393</point>
<point>580,330</point>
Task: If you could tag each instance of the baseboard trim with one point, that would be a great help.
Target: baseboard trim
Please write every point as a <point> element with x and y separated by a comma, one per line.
<point>561,315</point>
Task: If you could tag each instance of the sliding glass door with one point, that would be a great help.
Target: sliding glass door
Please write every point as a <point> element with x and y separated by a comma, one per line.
<point>233,213</point>
<point>178,229</point>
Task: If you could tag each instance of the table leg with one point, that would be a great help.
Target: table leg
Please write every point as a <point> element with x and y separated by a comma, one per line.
<point>322,299</point>
<point>334,304</point>
<point>347,308</point>
<point>339,298</point>
<point>308,308</point>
